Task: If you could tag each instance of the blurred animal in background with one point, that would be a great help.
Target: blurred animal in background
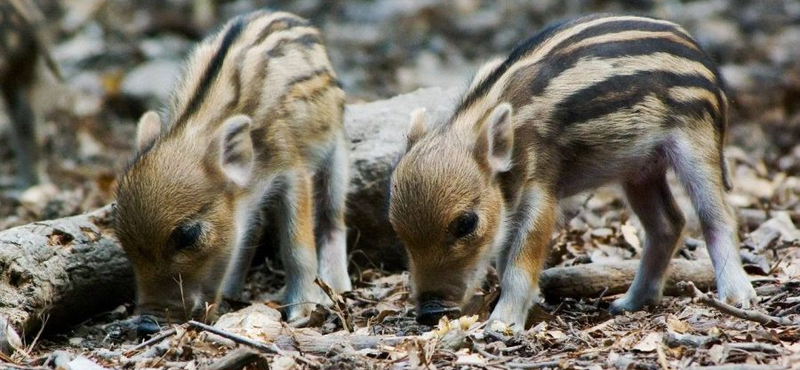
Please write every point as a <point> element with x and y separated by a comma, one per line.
<point>23,59</point>
<point>588,102</point>
<point>254,127</point>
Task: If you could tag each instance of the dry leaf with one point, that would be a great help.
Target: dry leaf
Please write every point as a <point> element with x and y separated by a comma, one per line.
<point>717,353</point>
<point>472,359</point>
<point>629,234</point>
<point>284,363</point>
<point>676,325</point>
<point>556,334</point>
<point>649,343</point>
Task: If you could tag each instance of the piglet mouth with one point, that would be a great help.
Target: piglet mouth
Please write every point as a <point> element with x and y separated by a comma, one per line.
<point>429,313</point>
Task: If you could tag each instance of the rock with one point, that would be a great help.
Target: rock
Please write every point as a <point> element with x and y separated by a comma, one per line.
<point>165,47</point>
<point>719,37</point>
<point>87,44</point>
<point>10,341</point>
<point>428,70</point>
<point>780,225</point>
<point>784,49</point>
<point>76,341</point>
<point>377,133</point>
<point>61,360</point>
<point>152,81</point>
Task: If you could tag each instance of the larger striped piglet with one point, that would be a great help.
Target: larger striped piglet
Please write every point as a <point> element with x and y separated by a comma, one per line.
<point>587,102</point>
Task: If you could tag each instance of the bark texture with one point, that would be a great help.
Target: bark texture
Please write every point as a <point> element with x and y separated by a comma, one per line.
<point>592,279</point>
<point>62,271</point>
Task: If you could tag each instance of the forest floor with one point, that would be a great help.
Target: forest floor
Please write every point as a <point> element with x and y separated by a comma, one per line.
<point>117,58</point>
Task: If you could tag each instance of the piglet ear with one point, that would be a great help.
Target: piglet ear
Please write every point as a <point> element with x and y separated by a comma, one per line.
<point>500,136</point>
<point>148,129</point>
<point>417,128</point>
<point>236,149</point>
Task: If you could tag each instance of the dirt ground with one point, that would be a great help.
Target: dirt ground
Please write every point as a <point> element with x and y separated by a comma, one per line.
<point>119,57</point>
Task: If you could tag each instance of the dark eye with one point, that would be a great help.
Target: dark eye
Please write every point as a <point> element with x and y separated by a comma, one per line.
<point>464,224</point>
<point>186,236</point>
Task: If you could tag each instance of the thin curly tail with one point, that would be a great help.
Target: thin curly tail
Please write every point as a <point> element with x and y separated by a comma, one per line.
<point>726,173</point>
<point>723,128</point>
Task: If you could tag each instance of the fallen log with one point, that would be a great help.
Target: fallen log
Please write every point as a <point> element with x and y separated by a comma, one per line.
<point>593,279</point>
<point>61,272</point>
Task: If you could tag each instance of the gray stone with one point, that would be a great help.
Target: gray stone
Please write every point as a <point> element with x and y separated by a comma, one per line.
<point>83,363</point>
<point>377,133</point>
<point>152,81</point>
<point>165,47</point>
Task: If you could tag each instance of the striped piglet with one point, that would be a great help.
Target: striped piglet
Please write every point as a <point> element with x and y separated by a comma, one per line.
<point>587,102</point>
<point>255,126</point>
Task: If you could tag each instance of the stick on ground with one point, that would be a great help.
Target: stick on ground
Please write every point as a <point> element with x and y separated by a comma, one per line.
<point>235,360</point>
<point>236,338</point>
<point>161,336</point>
<point>690,290</point>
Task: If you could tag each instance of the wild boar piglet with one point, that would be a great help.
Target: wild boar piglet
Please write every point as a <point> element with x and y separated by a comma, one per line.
<point>253,129</point>
<point>587,102</point>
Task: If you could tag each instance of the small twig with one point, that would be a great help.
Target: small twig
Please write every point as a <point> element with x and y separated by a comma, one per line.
<point>511,349</point>
<point>788,311</point>
<point>755,347</point>
<point>36,338</point>
<point>686,340</point>
<point>775,298</point>
<point>662,358</point>
<point>485,353</point>
<point>11,365</point>
<point>236,338</point>
<point>235,360</point>
<point>339,305</point>
<point>534,365</point>
<point>690,290</point>
<point>600,298</point>
<point>169,351</point>
<point>183,300</point>
<point>739,367</point>
<point>161,336</point>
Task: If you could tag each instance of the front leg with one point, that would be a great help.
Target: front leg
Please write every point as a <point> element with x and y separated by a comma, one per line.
<point>522,258</point>
<point>297,249</point>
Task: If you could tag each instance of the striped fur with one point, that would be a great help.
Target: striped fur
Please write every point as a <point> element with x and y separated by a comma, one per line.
<point>254,126</point>
<point>591,101</point>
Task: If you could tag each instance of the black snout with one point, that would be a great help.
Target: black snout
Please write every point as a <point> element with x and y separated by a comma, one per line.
<point>146,325</point>
<point>430,312</point>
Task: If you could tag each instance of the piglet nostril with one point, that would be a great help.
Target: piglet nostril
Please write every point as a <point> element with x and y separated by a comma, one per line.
<point>431,311</point>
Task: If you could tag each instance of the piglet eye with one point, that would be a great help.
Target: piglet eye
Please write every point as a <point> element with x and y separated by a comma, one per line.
<point>464,224</point>
<point>186,236</point>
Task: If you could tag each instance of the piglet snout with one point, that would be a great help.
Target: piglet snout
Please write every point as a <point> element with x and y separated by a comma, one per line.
<point>429,312</point>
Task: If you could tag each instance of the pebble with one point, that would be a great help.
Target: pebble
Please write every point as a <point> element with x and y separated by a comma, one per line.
<point>83,363</point>
<point>153,80</point>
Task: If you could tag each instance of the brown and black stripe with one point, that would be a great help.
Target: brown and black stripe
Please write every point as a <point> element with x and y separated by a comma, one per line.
<point>247,67</point>
<point>586,68</point>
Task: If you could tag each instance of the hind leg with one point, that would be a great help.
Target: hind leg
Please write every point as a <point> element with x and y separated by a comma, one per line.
<point>652,201</point>
<point>699,169</point>
<point>330,195</point>
<point>23,134</point>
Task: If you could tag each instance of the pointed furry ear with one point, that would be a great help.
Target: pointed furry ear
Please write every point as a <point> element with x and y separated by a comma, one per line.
<point>148,129</point>
<point>417,128</point>
<point>500,137</point>
<point>236,149</point>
